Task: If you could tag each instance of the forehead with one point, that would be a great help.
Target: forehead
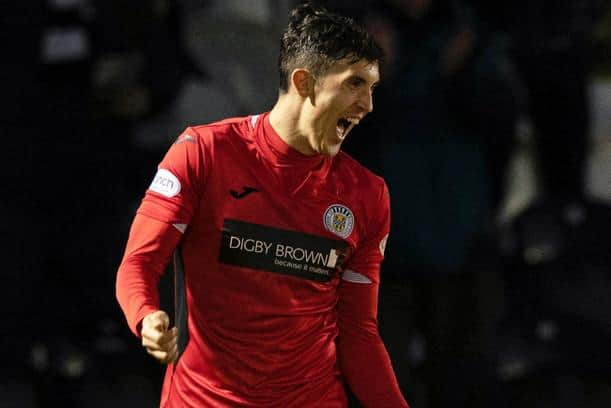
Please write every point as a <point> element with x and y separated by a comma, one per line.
<point>367,70</point>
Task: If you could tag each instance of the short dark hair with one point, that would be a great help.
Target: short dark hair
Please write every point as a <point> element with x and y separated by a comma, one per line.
<point>316,39</point>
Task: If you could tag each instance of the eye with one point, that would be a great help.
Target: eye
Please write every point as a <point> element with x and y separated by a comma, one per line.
<point>355,82</point>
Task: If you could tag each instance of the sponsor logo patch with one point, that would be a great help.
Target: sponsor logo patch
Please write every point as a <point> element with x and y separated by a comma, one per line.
<point>339,220</point>
<point>281,251</point>
<point>165,183</point>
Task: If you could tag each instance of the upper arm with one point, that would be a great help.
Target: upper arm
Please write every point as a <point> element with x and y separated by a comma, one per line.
<point>164,214</point>
<point>174,192</point>
<point>358,290</point>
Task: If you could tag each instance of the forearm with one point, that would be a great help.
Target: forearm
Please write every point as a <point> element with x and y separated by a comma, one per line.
<point>363,358</point>
<point>368,371</point>
<point>148,250</point>
<point>136,292</point>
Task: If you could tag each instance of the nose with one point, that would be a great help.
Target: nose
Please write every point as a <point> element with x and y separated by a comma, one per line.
<point>366,101</point>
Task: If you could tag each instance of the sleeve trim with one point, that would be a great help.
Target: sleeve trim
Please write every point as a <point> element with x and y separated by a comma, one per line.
<point>355,277</point>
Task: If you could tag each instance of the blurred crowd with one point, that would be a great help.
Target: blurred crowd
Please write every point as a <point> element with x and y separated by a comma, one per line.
<point>492,128</point>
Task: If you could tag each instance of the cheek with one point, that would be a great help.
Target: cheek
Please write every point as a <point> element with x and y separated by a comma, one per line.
<point>330,105</point>
<point>324,110</point>
<point>336,105</point>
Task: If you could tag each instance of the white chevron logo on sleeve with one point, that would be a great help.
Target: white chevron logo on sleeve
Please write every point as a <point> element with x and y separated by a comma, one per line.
<point>355,277</point>
<point>180,227</point>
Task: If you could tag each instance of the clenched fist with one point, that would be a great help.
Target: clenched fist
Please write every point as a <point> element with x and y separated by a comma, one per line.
<point>158,341</point>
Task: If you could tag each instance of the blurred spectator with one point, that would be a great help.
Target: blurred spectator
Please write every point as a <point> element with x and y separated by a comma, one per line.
<point>241,59</point>
<point>551,44</point>
<point>599,174</point>
<point>86,72</point>
<point>235,78</point>
<point>557,320</point>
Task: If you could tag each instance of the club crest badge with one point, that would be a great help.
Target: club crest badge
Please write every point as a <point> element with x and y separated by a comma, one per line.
<point>339,220</point>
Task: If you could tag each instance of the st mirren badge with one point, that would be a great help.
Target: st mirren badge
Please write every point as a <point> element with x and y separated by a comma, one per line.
<point>339,220</point>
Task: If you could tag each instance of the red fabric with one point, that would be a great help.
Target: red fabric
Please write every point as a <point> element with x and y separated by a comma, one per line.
<point>149,247</point>
<point>363,357</point>
<point>262,336</point>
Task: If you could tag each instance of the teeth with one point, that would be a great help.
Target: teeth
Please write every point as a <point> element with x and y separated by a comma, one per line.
<point>344,125</point>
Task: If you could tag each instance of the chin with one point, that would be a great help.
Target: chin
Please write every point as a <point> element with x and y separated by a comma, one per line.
<point>332,150</point>
<point>330,146</point>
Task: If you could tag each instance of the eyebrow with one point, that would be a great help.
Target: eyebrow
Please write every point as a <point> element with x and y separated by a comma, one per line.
<point>361,80</point>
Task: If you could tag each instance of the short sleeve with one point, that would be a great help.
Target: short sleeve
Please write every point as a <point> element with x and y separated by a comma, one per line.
<point>175,189</point>
<point>369,253</point>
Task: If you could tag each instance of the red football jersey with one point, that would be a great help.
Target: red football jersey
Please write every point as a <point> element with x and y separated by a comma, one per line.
<point>280,264</point>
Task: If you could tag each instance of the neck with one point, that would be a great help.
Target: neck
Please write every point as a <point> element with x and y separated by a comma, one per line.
<point>285,119</point>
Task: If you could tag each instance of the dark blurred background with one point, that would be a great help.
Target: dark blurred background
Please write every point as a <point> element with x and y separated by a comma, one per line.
<point>492,128</point>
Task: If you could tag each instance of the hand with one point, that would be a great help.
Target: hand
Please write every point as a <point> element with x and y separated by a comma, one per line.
<point>158,341</point>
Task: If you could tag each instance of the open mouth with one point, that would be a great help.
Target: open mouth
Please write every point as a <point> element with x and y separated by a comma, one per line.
<point>345,125</point>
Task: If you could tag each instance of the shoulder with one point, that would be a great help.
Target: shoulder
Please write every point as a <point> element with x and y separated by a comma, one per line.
<point>366,195</point>
<point>353,174</point>
<point>363,191</point>
<point>199,147</point>
<point>219,131</point>
<point>217,139</point>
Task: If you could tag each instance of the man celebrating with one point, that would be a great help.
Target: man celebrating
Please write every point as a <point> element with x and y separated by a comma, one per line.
<point>277,237</point>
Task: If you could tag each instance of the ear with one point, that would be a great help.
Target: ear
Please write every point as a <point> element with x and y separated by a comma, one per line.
<point>303,81</point>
